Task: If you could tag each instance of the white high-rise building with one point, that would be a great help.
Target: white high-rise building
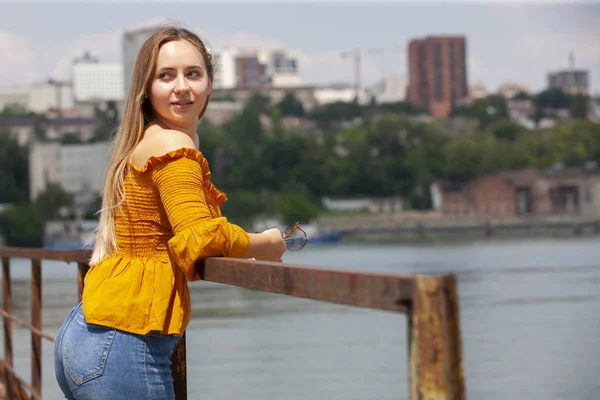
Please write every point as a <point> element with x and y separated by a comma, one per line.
<point>281,69</point>
<point>390,89</point>
<point>236,68</point>
<point>95,81</point>
<point>225,69</point>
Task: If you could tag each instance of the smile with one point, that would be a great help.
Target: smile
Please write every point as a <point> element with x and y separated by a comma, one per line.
<point>182,103</point>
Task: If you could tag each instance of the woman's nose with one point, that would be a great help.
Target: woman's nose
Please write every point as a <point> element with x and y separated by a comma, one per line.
<point>181,85</point>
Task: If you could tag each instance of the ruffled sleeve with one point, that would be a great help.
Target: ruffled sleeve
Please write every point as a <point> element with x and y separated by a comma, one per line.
<point>180,179</point>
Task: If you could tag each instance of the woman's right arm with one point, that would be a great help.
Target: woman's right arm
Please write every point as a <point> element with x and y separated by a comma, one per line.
<point>197,234</point>
<point>266,246</point>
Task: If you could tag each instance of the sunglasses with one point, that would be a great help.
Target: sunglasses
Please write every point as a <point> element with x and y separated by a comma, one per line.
<point>294,237</point>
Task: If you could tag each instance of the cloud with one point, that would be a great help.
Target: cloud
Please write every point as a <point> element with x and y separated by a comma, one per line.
<point>315,68</point>
<point>106,47</point>
<point>21,64</point>
<point>476,70</point>
<point>243,41</point>
<point>330,67</point>
<point>585,47</point>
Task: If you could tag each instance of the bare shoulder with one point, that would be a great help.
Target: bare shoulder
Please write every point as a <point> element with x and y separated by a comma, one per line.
<point>158,142</point>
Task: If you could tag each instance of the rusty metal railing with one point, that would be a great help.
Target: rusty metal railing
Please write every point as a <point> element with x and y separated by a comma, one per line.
<point>430,302</point>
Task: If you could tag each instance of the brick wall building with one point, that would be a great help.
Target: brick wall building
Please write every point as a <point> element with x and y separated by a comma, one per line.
<point>529,191</point>
<point>437,68</point>
<point>489,196</point>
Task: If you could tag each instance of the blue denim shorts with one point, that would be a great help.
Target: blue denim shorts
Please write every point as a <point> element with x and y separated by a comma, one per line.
<point>96,362</point>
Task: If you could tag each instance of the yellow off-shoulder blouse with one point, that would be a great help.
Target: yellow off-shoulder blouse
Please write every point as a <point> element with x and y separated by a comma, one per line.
<point>170,219</point>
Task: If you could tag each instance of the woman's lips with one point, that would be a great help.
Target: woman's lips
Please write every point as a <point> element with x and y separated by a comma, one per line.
<point>182,104</point>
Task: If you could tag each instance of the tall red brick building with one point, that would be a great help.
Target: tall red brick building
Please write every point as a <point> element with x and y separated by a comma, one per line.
<point>437,68</point>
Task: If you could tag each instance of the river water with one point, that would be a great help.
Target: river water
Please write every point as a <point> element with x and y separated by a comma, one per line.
<point>529,315</point>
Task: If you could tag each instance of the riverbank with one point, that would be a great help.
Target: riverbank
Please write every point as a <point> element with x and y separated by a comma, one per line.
<point>414,226</point>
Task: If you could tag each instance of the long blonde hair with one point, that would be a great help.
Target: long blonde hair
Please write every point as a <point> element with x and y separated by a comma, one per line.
<point>138,114</point>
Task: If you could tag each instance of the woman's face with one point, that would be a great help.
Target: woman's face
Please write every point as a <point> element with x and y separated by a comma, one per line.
<point>180,85</point>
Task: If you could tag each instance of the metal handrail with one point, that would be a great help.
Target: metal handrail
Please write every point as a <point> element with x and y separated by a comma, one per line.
<point>430,302</point>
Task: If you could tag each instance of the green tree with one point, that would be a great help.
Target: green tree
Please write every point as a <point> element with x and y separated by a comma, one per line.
<point>15,110</point>
<point>522,96</point>
<point>91,211</point>
<point>242,206</point>
<point>507,130</point>
<point>50,201</point>
<point>290,106</point>
<point>487,111</point>
<point>296,204</point>
<point>553,99</point>
<point>332,114</point>
<point>109,122</point>
<point>470,156</point>
<point>579,106</point>
<point>71,138</point>
<point>23,226</point>
<point>14,170</point>
<point>400,107</point>
<point>40,127</point>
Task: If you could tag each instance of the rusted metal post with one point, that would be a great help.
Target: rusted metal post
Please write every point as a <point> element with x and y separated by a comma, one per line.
<point>179,370</point>
<point>8,328</point>
<point>82,270</point>
<point>435,353</point>
<point>36,321</point>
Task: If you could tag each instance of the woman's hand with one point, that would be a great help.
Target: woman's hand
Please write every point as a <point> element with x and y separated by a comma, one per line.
<point>276,241</point>
<point>266,246</point>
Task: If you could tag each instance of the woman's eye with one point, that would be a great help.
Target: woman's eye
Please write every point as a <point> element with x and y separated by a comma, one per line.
<point>194,73</point>
<point>163,75</point>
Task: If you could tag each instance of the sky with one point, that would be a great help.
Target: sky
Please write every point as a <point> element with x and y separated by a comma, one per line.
<point>507,41</point>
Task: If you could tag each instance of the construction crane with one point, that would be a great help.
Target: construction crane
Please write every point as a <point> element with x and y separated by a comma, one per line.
<point>356,55</point>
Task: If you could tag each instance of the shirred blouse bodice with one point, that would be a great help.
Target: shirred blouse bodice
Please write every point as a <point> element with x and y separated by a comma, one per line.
<point>170,218</point>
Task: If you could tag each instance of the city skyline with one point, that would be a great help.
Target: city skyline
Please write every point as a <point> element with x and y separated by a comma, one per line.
<point>505,43</point>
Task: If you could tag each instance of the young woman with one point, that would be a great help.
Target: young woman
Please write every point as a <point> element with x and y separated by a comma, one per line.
<point>160,214</point>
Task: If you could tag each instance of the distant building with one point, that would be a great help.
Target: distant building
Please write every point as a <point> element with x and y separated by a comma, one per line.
<point>570,81</point>
<point>594,112</point>
<point>23,128</point>
<point>249,72</point>
<point>519,109</point>
<point>335,93</point>
<point>281,69</point>
<point>509,90</point>
<point>225,69</point>
<point>489,196</point>
<point>557,190</point>
<point>44,167</point>
<point>220,112</point>
<point>132,43</point>
<point>373,205</point>
<point>477,91</point>
<point>255,69</point>
<point>78,168</point>
<point>437,68</point>
<point>554,191</point>
<point>97,82</point>
<point>305,94</point>
<point>39,97</point>
<point>391,89</point>
<point>19,128</point>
